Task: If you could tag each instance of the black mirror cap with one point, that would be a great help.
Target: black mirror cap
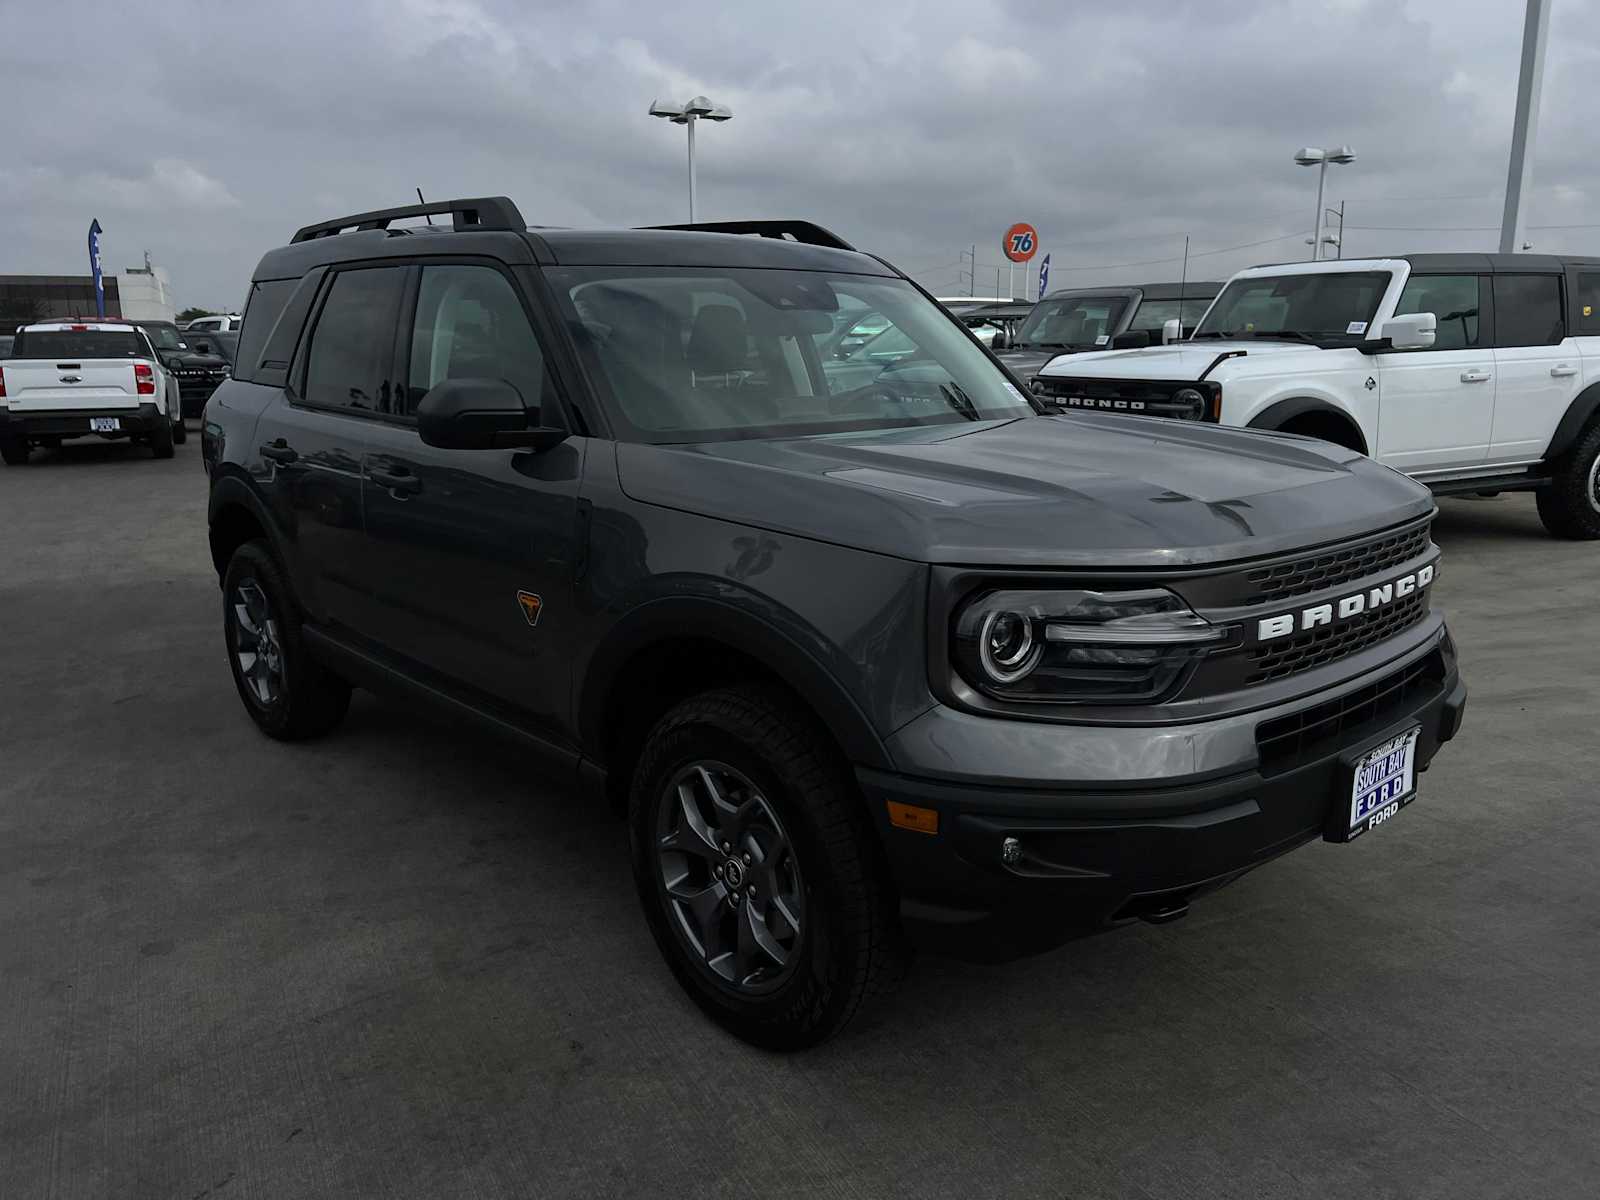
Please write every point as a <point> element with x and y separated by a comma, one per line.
<point>481,414</point>
<point>1133,339</point>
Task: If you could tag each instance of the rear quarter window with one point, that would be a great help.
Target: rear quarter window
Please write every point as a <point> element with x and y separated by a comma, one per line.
<point>262,308</point>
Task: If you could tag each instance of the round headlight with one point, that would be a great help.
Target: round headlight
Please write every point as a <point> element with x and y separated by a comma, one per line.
<point>1194,401</point>
<point>1006,646</point>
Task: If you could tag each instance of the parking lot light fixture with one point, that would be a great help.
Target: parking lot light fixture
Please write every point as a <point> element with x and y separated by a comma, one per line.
<point>687,114</point>
<point>1315,156</point>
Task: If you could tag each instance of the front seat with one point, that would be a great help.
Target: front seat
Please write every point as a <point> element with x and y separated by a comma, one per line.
<point>719,344</point>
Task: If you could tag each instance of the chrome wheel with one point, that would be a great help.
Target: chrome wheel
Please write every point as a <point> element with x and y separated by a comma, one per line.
<point>728,869</point>
<point>1591,487</point>
<point>257,650</point>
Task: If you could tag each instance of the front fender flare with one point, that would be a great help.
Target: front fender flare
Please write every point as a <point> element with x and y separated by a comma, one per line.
<point>706,618</point>
<point>1280,413</point>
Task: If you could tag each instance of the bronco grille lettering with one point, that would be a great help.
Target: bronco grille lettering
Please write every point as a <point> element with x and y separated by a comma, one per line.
<point>1284,624</point>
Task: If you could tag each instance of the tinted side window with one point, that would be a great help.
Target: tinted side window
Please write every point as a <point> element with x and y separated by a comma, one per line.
<point>1527,310</point>
<point>1453,299</point>
<point>261,311</point>
<point>1588,303</point>
<point>352,346</point>
<point>470,325</point>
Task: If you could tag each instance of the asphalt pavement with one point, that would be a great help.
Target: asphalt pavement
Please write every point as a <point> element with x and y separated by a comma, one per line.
<point>397,962</point>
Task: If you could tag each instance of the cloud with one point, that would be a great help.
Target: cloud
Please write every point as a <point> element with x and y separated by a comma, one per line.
<point>912,127</point>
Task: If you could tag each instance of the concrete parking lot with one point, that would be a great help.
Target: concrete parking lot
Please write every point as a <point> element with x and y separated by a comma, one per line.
<point>396,962</point>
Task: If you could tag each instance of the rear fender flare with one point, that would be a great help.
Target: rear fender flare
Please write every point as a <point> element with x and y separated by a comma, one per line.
<point>1579,414</point>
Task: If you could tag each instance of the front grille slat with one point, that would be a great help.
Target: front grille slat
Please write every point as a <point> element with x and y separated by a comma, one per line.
<point>1316,572</point>
<point>1287,740</point>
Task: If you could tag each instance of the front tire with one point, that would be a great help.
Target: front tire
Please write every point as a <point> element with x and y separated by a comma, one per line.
<point>14,451</point>
<point>760,875</point>
<point>1570,505</point>
<point>287,693</point>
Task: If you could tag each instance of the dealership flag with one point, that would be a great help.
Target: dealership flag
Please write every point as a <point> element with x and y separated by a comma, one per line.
<point>94,266</point>
<point>1044,275</point>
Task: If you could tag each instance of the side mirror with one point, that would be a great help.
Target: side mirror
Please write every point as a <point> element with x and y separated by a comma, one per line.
<point>1132,339</point>
<point>1410,331</point>
<point>1001,340</point>
<point>481,414</point>
<point>1171,331</point>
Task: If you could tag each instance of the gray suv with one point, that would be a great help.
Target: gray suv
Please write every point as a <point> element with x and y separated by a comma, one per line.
<point>870,652</point>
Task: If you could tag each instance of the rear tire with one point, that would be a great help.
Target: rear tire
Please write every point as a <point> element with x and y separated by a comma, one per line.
<point>808,930</point>
<point>287,693</point>
<point>180,432</point>
<point>1570,505</point>
<point>161,439</point>
<point>14,451</point>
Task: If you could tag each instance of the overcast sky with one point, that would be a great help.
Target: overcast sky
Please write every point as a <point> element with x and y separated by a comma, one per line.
<point>207,133</point>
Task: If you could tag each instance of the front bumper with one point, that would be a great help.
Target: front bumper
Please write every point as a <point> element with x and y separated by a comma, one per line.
<point>73,423</point>
<point>1099,854</point>
<point>195,390</point>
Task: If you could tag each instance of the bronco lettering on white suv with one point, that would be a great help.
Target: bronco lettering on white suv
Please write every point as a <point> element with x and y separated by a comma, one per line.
<point>1468,372</point>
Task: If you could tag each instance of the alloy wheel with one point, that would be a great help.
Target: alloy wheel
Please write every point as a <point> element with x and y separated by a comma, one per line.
<point>257,648</point>
<point>732,882</point>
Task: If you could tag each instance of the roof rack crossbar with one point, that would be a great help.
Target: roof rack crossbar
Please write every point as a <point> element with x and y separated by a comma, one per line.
<point>482,212</point>
<point>807,232</point>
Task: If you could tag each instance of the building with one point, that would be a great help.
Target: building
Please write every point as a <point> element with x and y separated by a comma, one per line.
<point>138,294</point>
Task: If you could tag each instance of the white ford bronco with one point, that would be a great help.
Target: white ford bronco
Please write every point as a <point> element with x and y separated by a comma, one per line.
<point>1468,372</point>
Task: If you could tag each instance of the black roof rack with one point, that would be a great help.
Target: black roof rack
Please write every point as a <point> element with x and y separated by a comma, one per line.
<point>806,232</point>
<point>483,212</point>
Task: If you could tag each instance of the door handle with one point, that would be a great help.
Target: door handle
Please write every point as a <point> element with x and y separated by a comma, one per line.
<point>279,452</point>
<point>1475,376</point>
<point>1562,370</point>
<point>396,481</point>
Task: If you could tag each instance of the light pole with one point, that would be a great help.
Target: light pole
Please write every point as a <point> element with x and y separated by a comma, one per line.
<point>1313,156</point>
<point>686,114</point>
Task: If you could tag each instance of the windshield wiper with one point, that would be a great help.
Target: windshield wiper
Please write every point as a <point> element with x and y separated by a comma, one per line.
<point>960,401</point>
<point>1214,333</point>
<point>1288,335</point>
<point>1044,346</point>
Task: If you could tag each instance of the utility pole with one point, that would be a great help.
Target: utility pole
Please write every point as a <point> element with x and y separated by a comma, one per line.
<point>1525,126</point>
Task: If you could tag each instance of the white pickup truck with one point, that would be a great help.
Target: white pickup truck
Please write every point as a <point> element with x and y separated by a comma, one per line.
<point>1468,372</point>
<point>70,379</point>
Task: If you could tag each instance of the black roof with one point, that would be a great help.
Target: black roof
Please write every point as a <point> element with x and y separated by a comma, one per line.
<point>495,225</point>
<point>1493,263</point>
<point>1193,289</point>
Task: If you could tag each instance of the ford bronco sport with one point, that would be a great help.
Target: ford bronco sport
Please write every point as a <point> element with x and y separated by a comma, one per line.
<point>868,652</point>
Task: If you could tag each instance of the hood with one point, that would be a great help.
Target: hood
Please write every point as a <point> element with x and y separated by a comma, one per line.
<point>192,360</point>
<point>1026,362</point>
<point>1181,360</point>
<point>1077,489</point>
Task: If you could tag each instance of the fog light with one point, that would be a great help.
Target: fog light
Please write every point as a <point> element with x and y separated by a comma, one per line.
<point>1011,852</point>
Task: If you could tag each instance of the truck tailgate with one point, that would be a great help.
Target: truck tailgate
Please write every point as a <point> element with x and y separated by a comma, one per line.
<point>39,385</point>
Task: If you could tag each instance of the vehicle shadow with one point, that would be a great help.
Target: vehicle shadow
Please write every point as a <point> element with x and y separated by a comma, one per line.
<point>76,453</point>
<point>1463,520</point>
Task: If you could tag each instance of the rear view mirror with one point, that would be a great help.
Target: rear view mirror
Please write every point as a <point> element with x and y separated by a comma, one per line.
<point>1133,339</point>
<point>1171,331</point>
<point>481,414</point>
<point>1410,331</point>
<point>1001,341</point>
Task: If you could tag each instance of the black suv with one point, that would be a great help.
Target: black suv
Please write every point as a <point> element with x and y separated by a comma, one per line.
<point>869,652</point>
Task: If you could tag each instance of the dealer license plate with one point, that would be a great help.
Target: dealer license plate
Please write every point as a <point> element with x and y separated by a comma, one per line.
<point>1385,782</point>
<point>104,424</point>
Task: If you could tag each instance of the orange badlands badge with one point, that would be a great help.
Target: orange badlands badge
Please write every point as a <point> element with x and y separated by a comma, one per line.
<point>530,605</point>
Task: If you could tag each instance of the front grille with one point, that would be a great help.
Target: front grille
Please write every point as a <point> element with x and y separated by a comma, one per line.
<point>1329,643</point>
<point>1317,572</point>
<point>1142,397</point>
<point>1286,741</point>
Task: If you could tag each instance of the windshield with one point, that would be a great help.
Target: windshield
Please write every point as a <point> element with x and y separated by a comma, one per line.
<point>1072,322</point>
<point>165,337</point>
<point>711,353</point>
<point>81,343</point>
<point>1313,307</point>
